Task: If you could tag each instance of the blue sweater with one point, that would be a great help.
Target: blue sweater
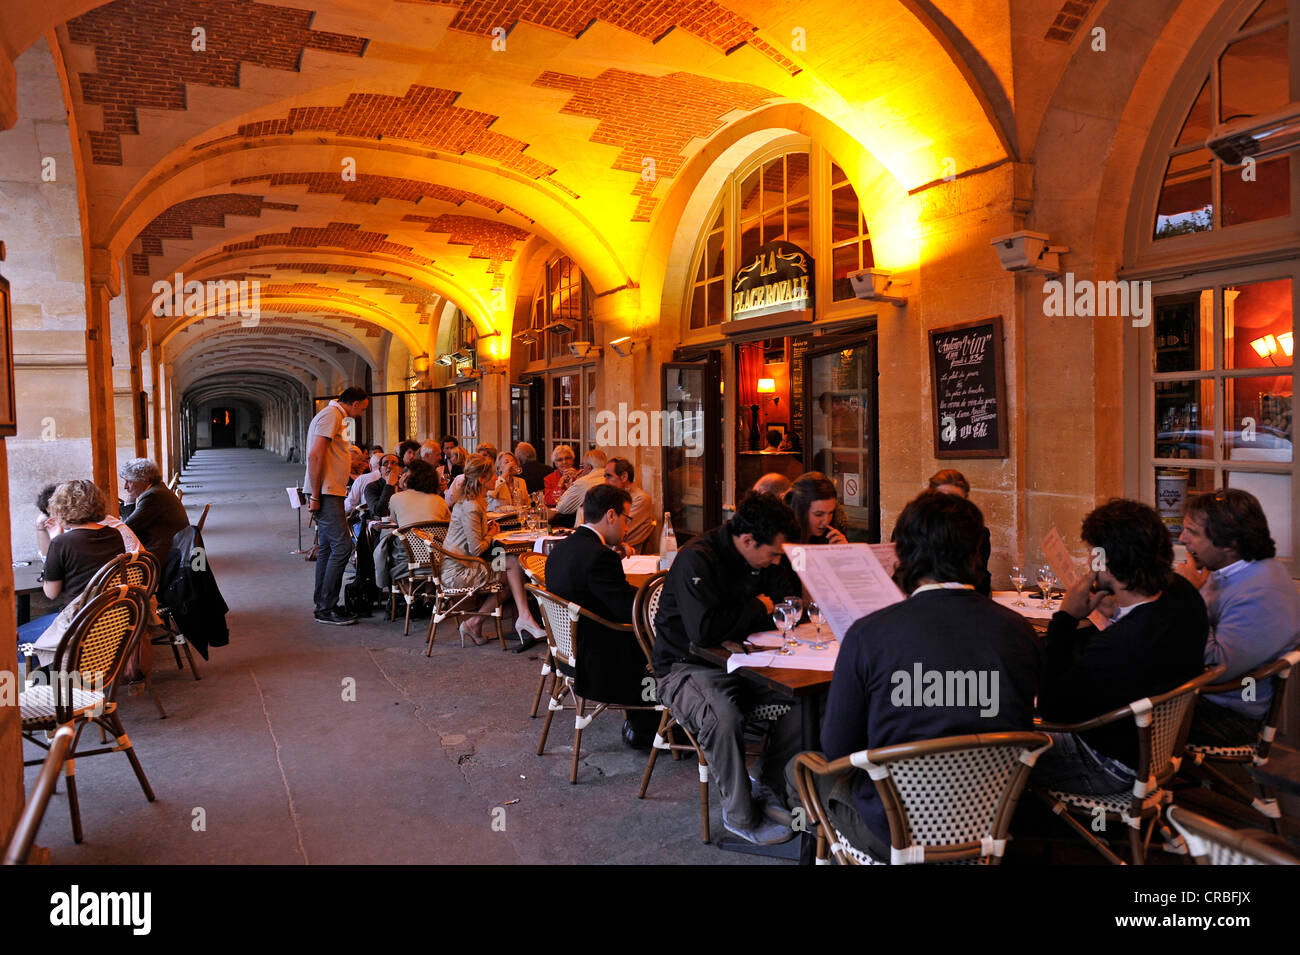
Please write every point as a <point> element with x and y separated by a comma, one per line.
<point>1254,618</point>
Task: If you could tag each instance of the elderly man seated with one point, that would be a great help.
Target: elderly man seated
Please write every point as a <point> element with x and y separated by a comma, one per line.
<point>591,475</point>
<point>151,510</point>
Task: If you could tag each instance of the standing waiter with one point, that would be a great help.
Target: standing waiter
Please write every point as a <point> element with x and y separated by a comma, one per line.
<point>329,463</point>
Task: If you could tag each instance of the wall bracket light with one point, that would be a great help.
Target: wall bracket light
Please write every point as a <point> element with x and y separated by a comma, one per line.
<point>1026,251</point>
<point>871,285</point>
<point>627,344</point>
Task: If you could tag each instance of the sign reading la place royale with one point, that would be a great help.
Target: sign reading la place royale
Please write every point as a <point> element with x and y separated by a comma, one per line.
<point>778,280</point>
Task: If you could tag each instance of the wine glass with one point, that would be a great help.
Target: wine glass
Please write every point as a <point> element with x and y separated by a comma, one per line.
<point>793,613</point>
<point>1018,580</point>
<point>781,617</point>
<point>1045,578</point>
<point>818,618</point>
<point>1053,581</point>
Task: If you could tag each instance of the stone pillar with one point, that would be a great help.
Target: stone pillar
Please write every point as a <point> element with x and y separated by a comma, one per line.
<point>135,351</point>
<point>11,740</point>
<point>104,286</point>
<point>493,406</point>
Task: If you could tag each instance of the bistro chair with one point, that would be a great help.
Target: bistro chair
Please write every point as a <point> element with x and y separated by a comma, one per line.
<point>1205,757</point>
<point>1162,722</point>
<point>534,566</point>
<point>87,666</point>
<point>422,567</point>
<point>947,800</point>
<point>1209,843</point>
<point>132,570</point>
<point>29,823</point>
<point>560,619</point>
<point>171,635</point>
<point>461,601</point>
<point>203,517</point>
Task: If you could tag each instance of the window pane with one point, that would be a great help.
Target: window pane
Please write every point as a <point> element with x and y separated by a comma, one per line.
<point>773,226</point>
<point>796,176</point>
<point>1184,419</point>
<point>843,261</point>
<point>717,301</point>
<point>749,196</point>
<point>844,213</point>
<point>749,243</point>
<point>700,274</point>
<point>797,224</point>
<point>773,184</point>
<point>697,307</point>
<point>1257,325</point>
<point>1183,324</point>
<point>1253,75</point>
<point>1196,128</point>
<point>713,255</point>
<point>1255,191</point>
<point>1173,487</point>
<point>1259,423</point>
<point>1273,492</point>
<point>1185,203</point>
<point>837,175</point>
<point>718,222</point>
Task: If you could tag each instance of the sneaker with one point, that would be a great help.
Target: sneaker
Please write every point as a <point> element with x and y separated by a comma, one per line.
<point>336,616</point>
<point>764,832</point>
<point>774,806</point>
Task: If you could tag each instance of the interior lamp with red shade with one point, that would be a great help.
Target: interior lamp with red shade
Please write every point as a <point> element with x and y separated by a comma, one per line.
<point>1267,346</point>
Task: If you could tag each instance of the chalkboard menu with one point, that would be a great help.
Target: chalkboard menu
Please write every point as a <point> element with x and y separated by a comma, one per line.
<point>969,387</point>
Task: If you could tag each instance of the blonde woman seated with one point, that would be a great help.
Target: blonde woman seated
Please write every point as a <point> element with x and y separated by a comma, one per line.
<point>454,467</point>
<point>510,491</point>
<point>470,532</point>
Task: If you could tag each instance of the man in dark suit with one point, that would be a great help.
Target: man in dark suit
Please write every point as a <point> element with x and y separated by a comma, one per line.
<point>582,568</point>
<point>151,510</point>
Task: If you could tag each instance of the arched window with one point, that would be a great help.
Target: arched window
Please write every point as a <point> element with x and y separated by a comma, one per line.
<point>1216,360</point>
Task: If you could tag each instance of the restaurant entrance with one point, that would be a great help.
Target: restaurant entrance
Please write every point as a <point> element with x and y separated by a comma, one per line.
<point>223,427</point>
<point>690,431</point>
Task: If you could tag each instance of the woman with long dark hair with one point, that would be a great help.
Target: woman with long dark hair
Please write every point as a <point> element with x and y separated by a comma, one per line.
<point>814,502</point>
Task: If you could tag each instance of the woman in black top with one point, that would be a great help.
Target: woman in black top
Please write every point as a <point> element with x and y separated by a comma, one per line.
<point>77,553</point>
<point>813,500</point>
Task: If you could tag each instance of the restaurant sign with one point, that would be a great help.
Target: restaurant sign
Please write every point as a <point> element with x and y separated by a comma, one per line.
<point>779,279</point>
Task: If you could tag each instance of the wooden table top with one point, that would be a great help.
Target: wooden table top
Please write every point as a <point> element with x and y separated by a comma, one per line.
<point>793,683</point>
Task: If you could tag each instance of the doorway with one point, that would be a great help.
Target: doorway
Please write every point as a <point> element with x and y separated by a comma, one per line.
<point>224,427</point>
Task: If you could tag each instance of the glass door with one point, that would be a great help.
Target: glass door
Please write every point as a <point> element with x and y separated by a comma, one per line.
<point>841,419</point>
<point>691,434</point>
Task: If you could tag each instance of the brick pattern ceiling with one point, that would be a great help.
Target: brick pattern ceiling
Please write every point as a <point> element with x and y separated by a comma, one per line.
<point>145,55</point>
<point>179,221</point>
<point>337,235</point>
<point>370,189</point>
<point>494,241</point>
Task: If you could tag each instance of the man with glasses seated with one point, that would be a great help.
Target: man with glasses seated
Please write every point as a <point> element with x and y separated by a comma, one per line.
<point>1253,606</point>
<point>722,587</point>
<point>378,493</point>
<point>583,568</point>
<point>981,657</point>
<point>1154,643</point>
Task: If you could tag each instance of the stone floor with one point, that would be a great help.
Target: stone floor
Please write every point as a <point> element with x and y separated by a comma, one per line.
<point>263,761</point>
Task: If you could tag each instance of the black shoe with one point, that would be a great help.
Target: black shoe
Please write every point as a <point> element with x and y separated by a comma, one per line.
<point>637,737</point>
<point>335,615</point>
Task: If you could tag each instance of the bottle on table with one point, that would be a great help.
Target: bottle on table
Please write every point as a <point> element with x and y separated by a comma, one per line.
<point>667,543</point>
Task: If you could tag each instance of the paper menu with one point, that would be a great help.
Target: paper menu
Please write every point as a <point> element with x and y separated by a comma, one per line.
<point>846,580</point>
<point>1067,572</point>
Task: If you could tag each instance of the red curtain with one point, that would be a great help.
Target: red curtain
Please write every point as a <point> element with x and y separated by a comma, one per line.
<point>749,371</point>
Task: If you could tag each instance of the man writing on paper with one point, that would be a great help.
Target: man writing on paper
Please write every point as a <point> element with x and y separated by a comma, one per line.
<point>1154,643</point>
<point>985,656</point>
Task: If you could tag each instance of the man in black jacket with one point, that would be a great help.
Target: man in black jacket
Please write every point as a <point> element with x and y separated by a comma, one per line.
<point>582,568</point>
<point>151,510</point>
<point>1155,642</point>
<point>722,587</point>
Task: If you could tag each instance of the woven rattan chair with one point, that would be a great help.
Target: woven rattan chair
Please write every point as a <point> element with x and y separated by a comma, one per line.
<point>461,601</point>
<point>947,800</point>
<point>132,570</point>
<point>1162,723</point>
<point>422,567</point>
<point>1209,843</point>
<point>534,566</point>
<point>87,666</point>
<point>171,636</point>
<point>29,823</point>
<point>643,617</point>
<point>1204,757</point>
<point>560,618</point>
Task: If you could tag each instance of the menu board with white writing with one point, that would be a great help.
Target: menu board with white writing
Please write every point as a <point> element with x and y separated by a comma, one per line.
<point>969,388</point>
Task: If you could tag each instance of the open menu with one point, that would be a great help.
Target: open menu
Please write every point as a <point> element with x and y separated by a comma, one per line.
<point>1067,572</point>
<point>847,581</point>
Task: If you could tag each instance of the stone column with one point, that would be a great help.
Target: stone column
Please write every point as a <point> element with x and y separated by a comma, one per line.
<point>493,405</point>
<point>104,285</point>
<point>11,740</point>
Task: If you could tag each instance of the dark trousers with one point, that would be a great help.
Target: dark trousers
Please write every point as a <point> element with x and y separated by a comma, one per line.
<point>1215,725</point>
<point>333,549</point>
<point>835,792</point>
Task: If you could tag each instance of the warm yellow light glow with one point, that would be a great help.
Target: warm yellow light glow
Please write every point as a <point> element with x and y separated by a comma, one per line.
<point>766,386</point>
<point>1285,341</point>
<point>1265,347</point>
<point>420,364</point>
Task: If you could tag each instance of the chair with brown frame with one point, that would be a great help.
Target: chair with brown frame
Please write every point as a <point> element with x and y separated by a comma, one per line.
<point>1209,843</point>
<point>948,800</point>
<point>139,569</point>
<point>171,636</point>
<point>560,620</point>
<point>534,566</point>
<point>92,653</point>
<point>462,601</point>
<point>1162,722</point>
<point>29,823</point>
<point>1204,757</point>
<point>203,518</point>
<point>422,566</point>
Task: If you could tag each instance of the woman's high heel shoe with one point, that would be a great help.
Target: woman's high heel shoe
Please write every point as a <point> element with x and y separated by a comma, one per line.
<point>529,634</point>
<point>478,638</point>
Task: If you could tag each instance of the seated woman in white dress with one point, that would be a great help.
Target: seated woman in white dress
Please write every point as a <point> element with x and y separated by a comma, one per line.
<point>510,491</point>
<point>470,532</point>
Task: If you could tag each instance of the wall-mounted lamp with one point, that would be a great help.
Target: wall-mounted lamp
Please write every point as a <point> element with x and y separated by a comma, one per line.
<point>1256,137</point>
<point>443,360</point>
<point>626,345</point>
<point>583,349</point>
<point>526,337</point>
<point>469,374</point>
<point>871,285</point>
<point>1268,346</point>
<point>460,355</point>
<point>420,363</point>
<point>1025,251</point>
<point>560,326</point>
<point>767,387</point>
